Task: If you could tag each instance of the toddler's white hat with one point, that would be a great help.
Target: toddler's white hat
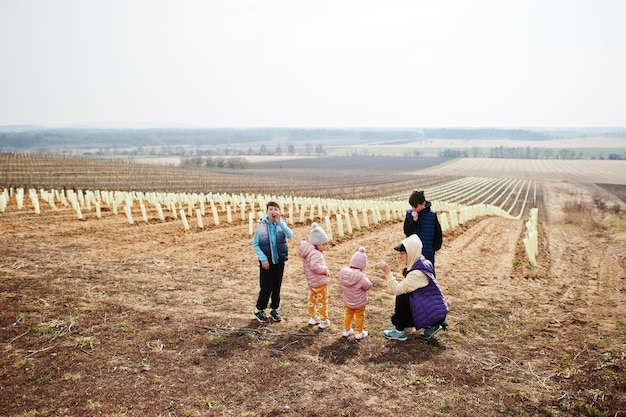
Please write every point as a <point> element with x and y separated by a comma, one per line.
<point>317,235</point>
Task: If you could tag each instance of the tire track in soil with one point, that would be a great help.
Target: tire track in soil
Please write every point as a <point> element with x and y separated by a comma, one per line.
<point>591,275</point>
<point>479,261</point>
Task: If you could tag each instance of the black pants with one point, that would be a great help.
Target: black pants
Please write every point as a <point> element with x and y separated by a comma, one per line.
<point>402,317</point>
<point>270,281</point>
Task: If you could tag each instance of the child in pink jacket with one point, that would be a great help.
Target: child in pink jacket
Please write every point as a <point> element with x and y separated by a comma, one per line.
<point>317,275</point>
<point>355,286</point>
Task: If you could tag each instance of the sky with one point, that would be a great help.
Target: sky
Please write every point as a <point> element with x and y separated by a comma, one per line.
<point>313,64</point>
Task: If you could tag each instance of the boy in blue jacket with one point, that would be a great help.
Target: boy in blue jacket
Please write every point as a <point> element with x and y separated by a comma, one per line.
<point>270,245</point>
<point>422,220</point>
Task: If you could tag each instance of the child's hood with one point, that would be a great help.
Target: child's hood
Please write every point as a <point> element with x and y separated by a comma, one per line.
<point>350,276</point>
<point>306,248</point>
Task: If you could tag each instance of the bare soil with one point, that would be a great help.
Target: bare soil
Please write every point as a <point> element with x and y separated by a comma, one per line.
<point>103,318</point>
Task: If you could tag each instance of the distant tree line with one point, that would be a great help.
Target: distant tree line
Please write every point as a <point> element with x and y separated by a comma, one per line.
<point>197,162</point>
<point>283,141</point>
<point>542,153</point>
<point>453,153</point>
<point>263,150</point>
<point>32,137</point>
<point>91,138</point>
<point>235,159</point>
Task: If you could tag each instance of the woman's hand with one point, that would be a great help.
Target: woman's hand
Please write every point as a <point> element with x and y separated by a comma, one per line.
<point>384,267</point>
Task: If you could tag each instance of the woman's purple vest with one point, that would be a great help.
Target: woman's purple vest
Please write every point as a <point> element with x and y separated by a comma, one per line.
<point>428,305</point>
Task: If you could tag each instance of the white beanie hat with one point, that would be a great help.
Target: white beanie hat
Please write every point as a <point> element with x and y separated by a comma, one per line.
<point>317,235</point>
<point>359,259</point>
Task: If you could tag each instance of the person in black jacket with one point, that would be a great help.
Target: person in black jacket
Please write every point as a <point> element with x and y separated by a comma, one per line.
<point>422,220</point>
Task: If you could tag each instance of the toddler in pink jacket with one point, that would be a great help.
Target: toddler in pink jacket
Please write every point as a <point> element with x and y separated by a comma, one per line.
<point>355,286</point>
<point>317,275</point>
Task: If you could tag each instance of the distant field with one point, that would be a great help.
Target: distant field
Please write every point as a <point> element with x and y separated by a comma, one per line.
<point>334,162</point>
<point>352,163</point>
<point>583,171</point>
<point>591,147</point>
<point>175,160</point>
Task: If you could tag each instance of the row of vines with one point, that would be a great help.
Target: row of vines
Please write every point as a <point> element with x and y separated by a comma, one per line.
<point>457,201</point>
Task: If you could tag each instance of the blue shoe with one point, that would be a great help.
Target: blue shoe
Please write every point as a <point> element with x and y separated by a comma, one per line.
<point>430,331</point>
<point>395,334</point>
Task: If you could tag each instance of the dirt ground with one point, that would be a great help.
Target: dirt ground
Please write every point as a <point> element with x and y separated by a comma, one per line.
<point>103,318</point>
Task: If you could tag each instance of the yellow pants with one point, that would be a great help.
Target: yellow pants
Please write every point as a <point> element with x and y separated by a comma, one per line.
<point>358,314</point>
<point>318,302</point>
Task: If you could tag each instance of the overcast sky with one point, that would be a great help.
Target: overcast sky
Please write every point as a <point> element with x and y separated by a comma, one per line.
<point>318,63</point>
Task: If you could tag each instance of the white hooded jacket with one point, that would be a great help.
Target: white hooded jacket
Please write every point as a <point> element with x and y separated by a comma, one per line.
<point>414,279</point>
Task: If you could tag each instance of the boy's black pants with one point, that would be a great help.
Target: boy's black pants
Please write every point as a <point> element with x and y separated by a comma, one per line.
<point>270,281</point>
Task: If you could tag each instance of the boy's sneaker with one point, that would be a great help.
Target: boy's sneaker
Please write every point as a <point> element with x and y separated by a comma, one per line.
<point>346,333</point>
<point>361,335</point>
<point>260,316</point>
<point>323,324</point>
<point>275,316</point>
<point>430,331</point>
<point>395,334</point>
<point>313,321</point>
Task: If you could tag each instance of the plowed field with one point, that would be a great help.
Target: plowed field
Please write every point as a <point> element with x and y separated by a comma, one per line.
<point>103,318</point>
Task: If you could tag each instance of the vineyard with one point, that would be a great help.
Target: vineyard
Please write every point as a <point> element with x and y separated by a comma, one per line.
<point>375,178</point>
<point>127,290</point>
<point>91,178</point>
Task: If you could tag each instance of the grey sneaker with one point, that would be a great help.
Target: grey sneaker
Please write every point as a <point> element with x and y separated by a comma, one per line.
<point>260,316</point>
<point>275,316</point>
<point>430,331</point>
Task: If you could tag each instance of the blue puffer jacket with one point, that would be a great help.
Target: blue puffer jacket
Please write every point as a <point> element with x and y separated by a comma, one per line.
<point>275,251</point>
<point>428,304</point>
<point>428,228</point>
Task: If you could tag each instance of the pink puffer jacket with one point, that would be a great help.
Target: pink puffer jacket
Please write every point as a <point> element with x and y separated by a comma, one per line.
<point>354,285</point>
<point>315,269</point>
